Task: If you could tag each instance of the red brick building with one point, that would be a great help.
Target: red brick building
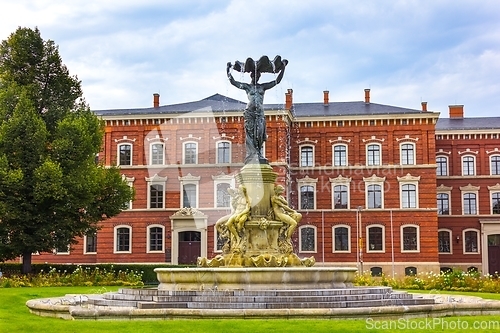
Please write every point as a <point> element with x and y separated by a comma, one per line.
<point>468,191</point>
<point>362,174</point>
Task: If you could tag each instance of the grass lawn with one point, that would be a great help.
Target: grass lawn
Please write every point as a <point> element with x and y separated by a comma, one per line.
<point>15,317</point>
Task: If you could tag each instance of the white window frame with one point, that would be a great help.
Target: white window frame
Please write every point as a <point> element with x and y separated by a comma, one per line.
<point>313,162</point>
<point>375,180</point>
<point>63,253</point>
<point>491,169</point>
<point>408,180</point>
<point>474,171</point>
<point>118,146</point>
<point>367,233</point>
<point>115,237</point>
<point>148,238</point>
<point>315,238</point>
<point>447,171</point>
<point>445,190</point>
<point>493,189</point>
<point>156,180</point>
<point>85,244</point>
<point>414,157</point>
<point>189,179</point>
<point>184,144</point>
<point>450,235</point>
<point>478,244</point>
<point>348,238</point>
<point>222,179</point>
<point>401,230</point>
<point>346,155</point>
<point>306,181</point>
<point>151,153</point>
<point>379,152</point>
<point>217,151</point>
<point>130,182</point>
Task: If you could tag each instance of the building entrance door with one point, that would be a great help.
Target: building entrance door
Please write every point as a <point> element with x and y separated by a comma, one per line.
<point>189,247</point>
<point>494,254</point>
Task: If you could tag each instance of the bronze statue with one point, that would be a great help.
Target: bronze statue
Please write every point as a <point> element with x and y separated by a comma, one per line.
<point>283,212</point>
<point>255,120</point>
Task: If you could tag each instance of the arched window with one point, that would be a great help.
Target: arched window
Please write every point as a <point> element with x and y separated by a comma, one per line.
<point>306,156</point>
<point>125,154</point>
<point>155,238</point>
<point>190,153</point>
<point>123,239</point>
<point>442,166</point>
<point>341,197</point>
<point>307,197</point>
<point>495,165</point>
<point>407,153</point>
<point>471,241</point>
<point>469,203</point>
<point>444,241</point>
<point>223,198</point>
<point>157,154</point>
<point>340,155</point>
<point>408,196</point>
<point>374,196</point>
<point>373,154</point>
<point>307,238</point>
<point>341,238</point>
<point>410,238</point>
<point>375,238</point>
<point>443,203</point>
<point>189,196</point>
<point>468,165</point>
<point>223,152</point>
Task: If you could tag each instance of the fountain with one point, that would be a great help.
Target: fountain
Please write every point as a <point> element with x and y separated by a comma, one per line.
<point>258,251</point>
<point>258,275</point>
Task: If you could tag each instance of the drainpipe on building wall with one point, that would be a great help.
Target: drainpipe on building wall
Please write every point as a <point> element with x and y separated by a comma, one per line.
<point>392,245</point>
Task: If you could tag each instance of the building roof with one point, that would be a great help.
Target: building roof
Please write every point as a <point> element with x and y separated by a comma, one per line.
<point>219,103</point>
<point>468,123</point>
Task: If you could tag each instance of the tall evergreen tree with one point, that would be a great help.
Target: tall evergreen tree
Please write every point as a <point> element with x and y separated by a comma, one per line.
<point>51,189</point>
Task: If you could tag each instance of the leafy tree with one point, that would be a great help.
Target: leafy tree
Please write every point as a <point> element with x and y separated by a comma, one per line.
<point>51,188</point>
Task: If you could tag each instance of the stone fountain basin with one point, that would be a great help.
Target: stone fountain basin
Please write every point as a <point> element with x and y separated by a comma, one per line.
<point>255,278</point>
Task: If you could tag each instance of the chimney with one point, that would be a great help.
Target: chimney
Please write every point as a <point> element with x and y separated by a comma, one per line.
<point>456,111</point>
<point>156,100</point>
<point>367,96</point>
<point>424,106</point>
<point>326,100</point>
<point>289,99</point>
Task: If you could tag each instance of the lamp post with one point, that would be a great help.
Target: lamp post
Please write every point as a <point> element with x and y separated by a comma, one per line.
<point>360,238</point>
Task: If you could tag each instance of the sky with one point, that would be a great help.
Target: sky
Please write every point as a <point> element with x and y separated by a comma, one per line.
<point>406,51</point>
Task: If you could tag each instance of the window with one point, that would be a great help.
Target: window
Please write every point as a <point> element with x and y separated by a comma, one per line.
<point>123,237</point>
<point>340,155</point>
<point>374,196</point>
<point>375,241</point>
<point>444,241</point>
<point>407,153</point>
<point>223,197</point>
<point>410,271</point>
<point>306,156</point>
<point>125,154</point>
<point>469,204</point>
<point>410,238</point>
<point>408,196</point>
<point>224,152</point>
<point>91,243</point>
<point>495,203</point>
<point>190,153</point>
<point>443,203</point>
<point>155,196</point>
<point>341,238</point>
<point>307,239</point>
<point>373,154</point>
<point>63,250</point>
<point>495,165</point>
<point>307,197</point>
<point>156,191</point>
<point>157,154</point>
<point>155,238</point>
<point>468,166</point>
<point>471,241</point>
<point>340,195</point>
<point>189,196</point>
<point>442,166</point>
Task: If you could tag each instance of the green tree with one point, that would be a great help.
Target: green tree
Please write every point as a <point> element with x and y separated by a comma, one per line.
<point>51,188</point>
